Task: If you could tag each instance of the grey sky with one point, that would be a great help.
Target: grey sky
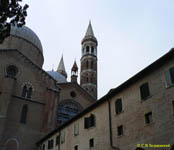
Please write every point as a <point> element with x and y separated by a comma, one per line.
<point>131,34</point>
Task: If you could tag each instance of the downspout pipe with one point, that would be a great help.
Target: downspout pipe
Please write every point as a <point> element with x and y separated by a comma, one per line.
<point>110,127</point>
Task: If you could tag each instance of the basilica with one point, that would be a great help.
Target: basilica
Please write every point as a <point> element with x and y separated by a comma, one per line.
<point>33,102</point>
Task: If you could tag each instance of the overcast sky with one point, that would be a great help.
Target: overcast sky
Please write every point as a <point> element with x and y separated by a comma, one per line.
<point>131,34</point>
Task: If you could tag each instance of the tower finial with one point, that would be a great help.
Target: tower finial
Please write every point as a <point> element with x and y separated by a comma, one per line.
<point>89,21</point>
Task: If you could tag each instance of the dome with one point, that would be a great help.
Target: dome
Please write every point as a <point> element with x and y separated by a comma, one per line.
<point>57,76</point>
<point>26,34</point>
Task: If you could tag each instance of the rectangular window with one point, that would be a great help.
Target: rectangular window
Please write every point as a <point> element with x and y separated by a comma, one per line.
<point>90,121</point>
<point>76,147</point>
<point>120,130</point>
<point>173,105</point>
<point>86,123</point>
<point>76,129</point>
<point>144,91</point>
<point>91,143</point>
<point>170,76</point>
<point>57,140</point>
<point>118,106</point>
<point>148,118</point>
<point>50,144</point>
<point>62,137</point>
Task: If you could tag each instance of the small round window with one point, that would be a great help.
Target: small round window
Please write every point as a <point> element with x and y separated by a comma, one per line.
<point>12,71</point>
<point>73,94</point>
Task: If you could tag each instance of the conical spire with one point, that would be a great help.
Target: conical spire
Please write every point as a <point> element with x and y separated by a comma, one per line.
<point>75,67</point>
<point>74,72</point>
<point>89,31</point>
<point>61,68</point>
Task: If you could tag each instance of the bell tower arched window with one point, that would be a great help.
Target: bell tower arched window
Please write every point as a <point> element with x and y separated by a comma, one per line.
<point>24,114</point>
<point>92,49</point>
<point>87,49</point>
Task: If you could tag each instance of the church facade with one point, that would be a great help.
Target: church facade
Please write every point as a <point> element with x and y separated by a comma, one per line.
<point>33,102</point>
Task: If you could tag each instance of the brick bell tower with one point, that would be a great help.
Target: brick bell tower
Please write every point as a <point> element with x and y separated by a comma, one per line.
<point>88,73</point>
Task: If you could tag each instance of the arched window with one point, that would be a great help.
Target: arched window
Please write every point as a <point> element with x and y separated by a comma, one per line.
<point>87,64</point>
<point>87,49</point>
<point>118,106</point>
<point>24,114</point>
<point>12,145</point>
<point>67,110</point>
<point>24,91</point>
<point>29,92</point>
<point>92,63</point>
<point>92,49</point>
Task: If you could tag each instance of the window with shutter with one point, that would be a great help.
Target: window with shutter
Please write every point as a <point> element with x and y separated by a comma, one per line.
<point>92,120</point>
<point>118,106</point>
<point>170,77</point>
<point>50,144</point>
<point>62,137</point>
<point>57,140</point>
<point>76,129</point>
<point>86,123</point>
<point>144,91</point>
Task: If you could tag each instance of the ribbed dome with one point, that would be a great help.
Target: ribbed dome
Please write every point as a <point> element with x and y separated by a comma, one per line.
<point>57,76</point>
<point>27,34</point>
